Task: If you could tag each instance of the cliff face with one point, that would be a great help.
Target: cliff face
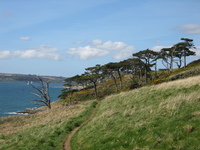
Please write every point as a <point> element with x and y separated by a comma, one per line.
<point>8,77</point>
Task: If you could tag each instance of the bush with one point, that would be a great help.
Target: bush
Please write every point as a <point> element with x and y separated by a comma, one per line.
<point>158,81</point>
<point>194,63</point>
<point>188,73</point>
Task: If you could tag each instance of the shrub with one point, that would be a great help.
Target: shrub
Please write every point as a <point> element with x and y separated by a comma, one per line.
<point>194,63</point>
<point>125,89</point>
<point>158,81</point>
<point>188,73</point>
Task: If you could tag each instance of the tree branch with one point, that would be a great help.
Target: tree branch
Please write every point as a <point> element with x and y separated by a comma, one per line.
<point>42,93</point>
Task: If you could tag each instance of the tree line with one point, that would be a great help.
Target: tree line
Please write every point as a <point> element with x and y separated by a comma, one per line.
<point>140,67</point>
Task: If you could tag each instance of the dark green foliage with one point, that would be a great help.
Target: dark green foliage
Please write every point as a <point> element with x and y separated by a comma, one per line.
<point>131,82</point>
<point>149,58</point>
<point>138,69</point>
<point>182,50</point>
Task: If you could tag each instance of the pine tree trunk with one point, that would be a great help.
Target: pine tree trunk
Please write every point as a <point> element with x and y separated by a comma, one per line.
<point>115,81</point>
<point>95,89</point>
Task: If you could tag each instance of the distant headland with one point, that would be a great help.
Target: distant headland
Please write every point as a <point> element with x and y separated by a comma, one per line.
<point>9,77</point>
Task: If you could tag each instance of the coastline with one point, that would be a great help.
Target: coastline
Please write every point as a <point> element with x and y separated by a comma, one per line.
<point>73,87</point>
<point>16,98</point>
<point>29,111</point>
<point>23,112</point>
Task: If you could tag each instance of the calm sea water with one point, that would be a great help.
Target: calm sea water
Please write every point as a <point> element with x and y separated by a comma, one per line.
<point>17,96</point>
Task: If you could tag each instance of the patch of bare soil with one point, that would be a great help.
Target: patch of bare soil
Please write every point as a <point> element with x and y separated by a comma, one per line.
<point>1,140</point>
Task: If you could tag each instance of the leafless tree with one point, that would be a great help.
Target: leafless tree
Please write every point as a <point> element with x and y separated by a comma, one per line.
<point>42,93</point>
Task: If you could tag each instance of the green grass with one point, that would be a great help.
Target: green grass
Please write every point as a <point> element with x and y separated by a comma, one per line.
<point>49,136</point>
<point>164,116</point>
<point>152,117</point>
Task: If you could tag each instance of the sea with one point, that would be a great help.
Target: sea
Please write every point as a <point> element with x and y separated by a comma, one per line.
<point>17,96</point>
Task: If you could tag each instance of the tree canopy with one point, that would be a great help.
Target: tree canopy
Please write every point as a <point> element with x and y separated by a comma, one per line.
<point>140,66</point>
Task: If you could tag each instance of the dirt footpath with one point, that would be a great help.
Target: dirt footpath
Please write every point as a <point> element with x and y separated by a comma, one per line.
<point>68,139</point>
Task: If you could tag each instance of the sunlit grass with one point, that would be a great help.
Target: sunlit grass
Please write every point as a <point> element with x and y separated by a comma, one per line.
<point>164,116</point>
<point>181,83</point>
<point>44,130</point>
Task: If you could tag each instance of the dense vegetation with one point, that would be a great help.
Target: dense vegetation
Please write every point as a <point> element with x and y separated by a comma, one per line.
<point>131,73</point>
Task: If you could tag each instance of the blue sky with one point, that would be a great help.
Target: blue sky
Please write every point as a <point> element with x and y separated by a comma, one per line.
<point>62,38</point>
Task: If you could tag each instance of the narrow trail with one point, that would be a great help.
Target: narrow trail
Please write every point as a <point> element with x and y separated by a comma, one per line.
<point>66,145</point>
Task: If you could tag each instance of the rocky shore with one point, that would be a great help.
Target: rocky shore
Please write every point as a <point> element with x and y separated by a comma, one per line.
<point>30,111</point>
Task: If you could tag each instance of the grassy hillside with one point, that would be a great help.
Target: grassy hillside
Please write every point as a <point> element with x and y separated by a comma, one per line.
<point>165,116</point>
<point>162,116</point>
<point>45,130</point>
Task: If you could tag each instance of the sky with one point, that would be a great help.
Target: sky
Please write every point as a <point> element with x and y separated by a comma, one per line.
<point>63,37</point>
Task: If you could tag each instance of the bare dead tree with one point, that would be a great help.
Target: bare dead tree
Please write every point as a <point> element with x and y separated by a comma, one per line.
<point>42,93</point>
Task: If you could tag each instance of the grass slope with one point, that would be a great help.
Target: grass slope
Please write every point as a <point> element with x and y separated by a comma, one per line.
<point>164,116</point>
<point>44,130</point>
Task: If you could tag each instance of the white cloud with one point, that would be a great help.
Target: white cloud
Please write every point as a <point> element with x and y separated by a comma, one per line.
<point>197,50</point>
<point>190,28</point>
<point>158,48</point>
<point>97,48</point>
<point>113,45</point>
<point>25,38</point>
<point>97,42</point>
<point>5,55</point>
<point>41,52</point>
<point>87,52</point>
<point>124,53</point>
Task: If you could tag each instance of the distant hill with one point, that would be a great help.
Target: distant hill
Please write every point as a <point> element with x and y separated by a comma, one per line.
<point>8,77</point>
